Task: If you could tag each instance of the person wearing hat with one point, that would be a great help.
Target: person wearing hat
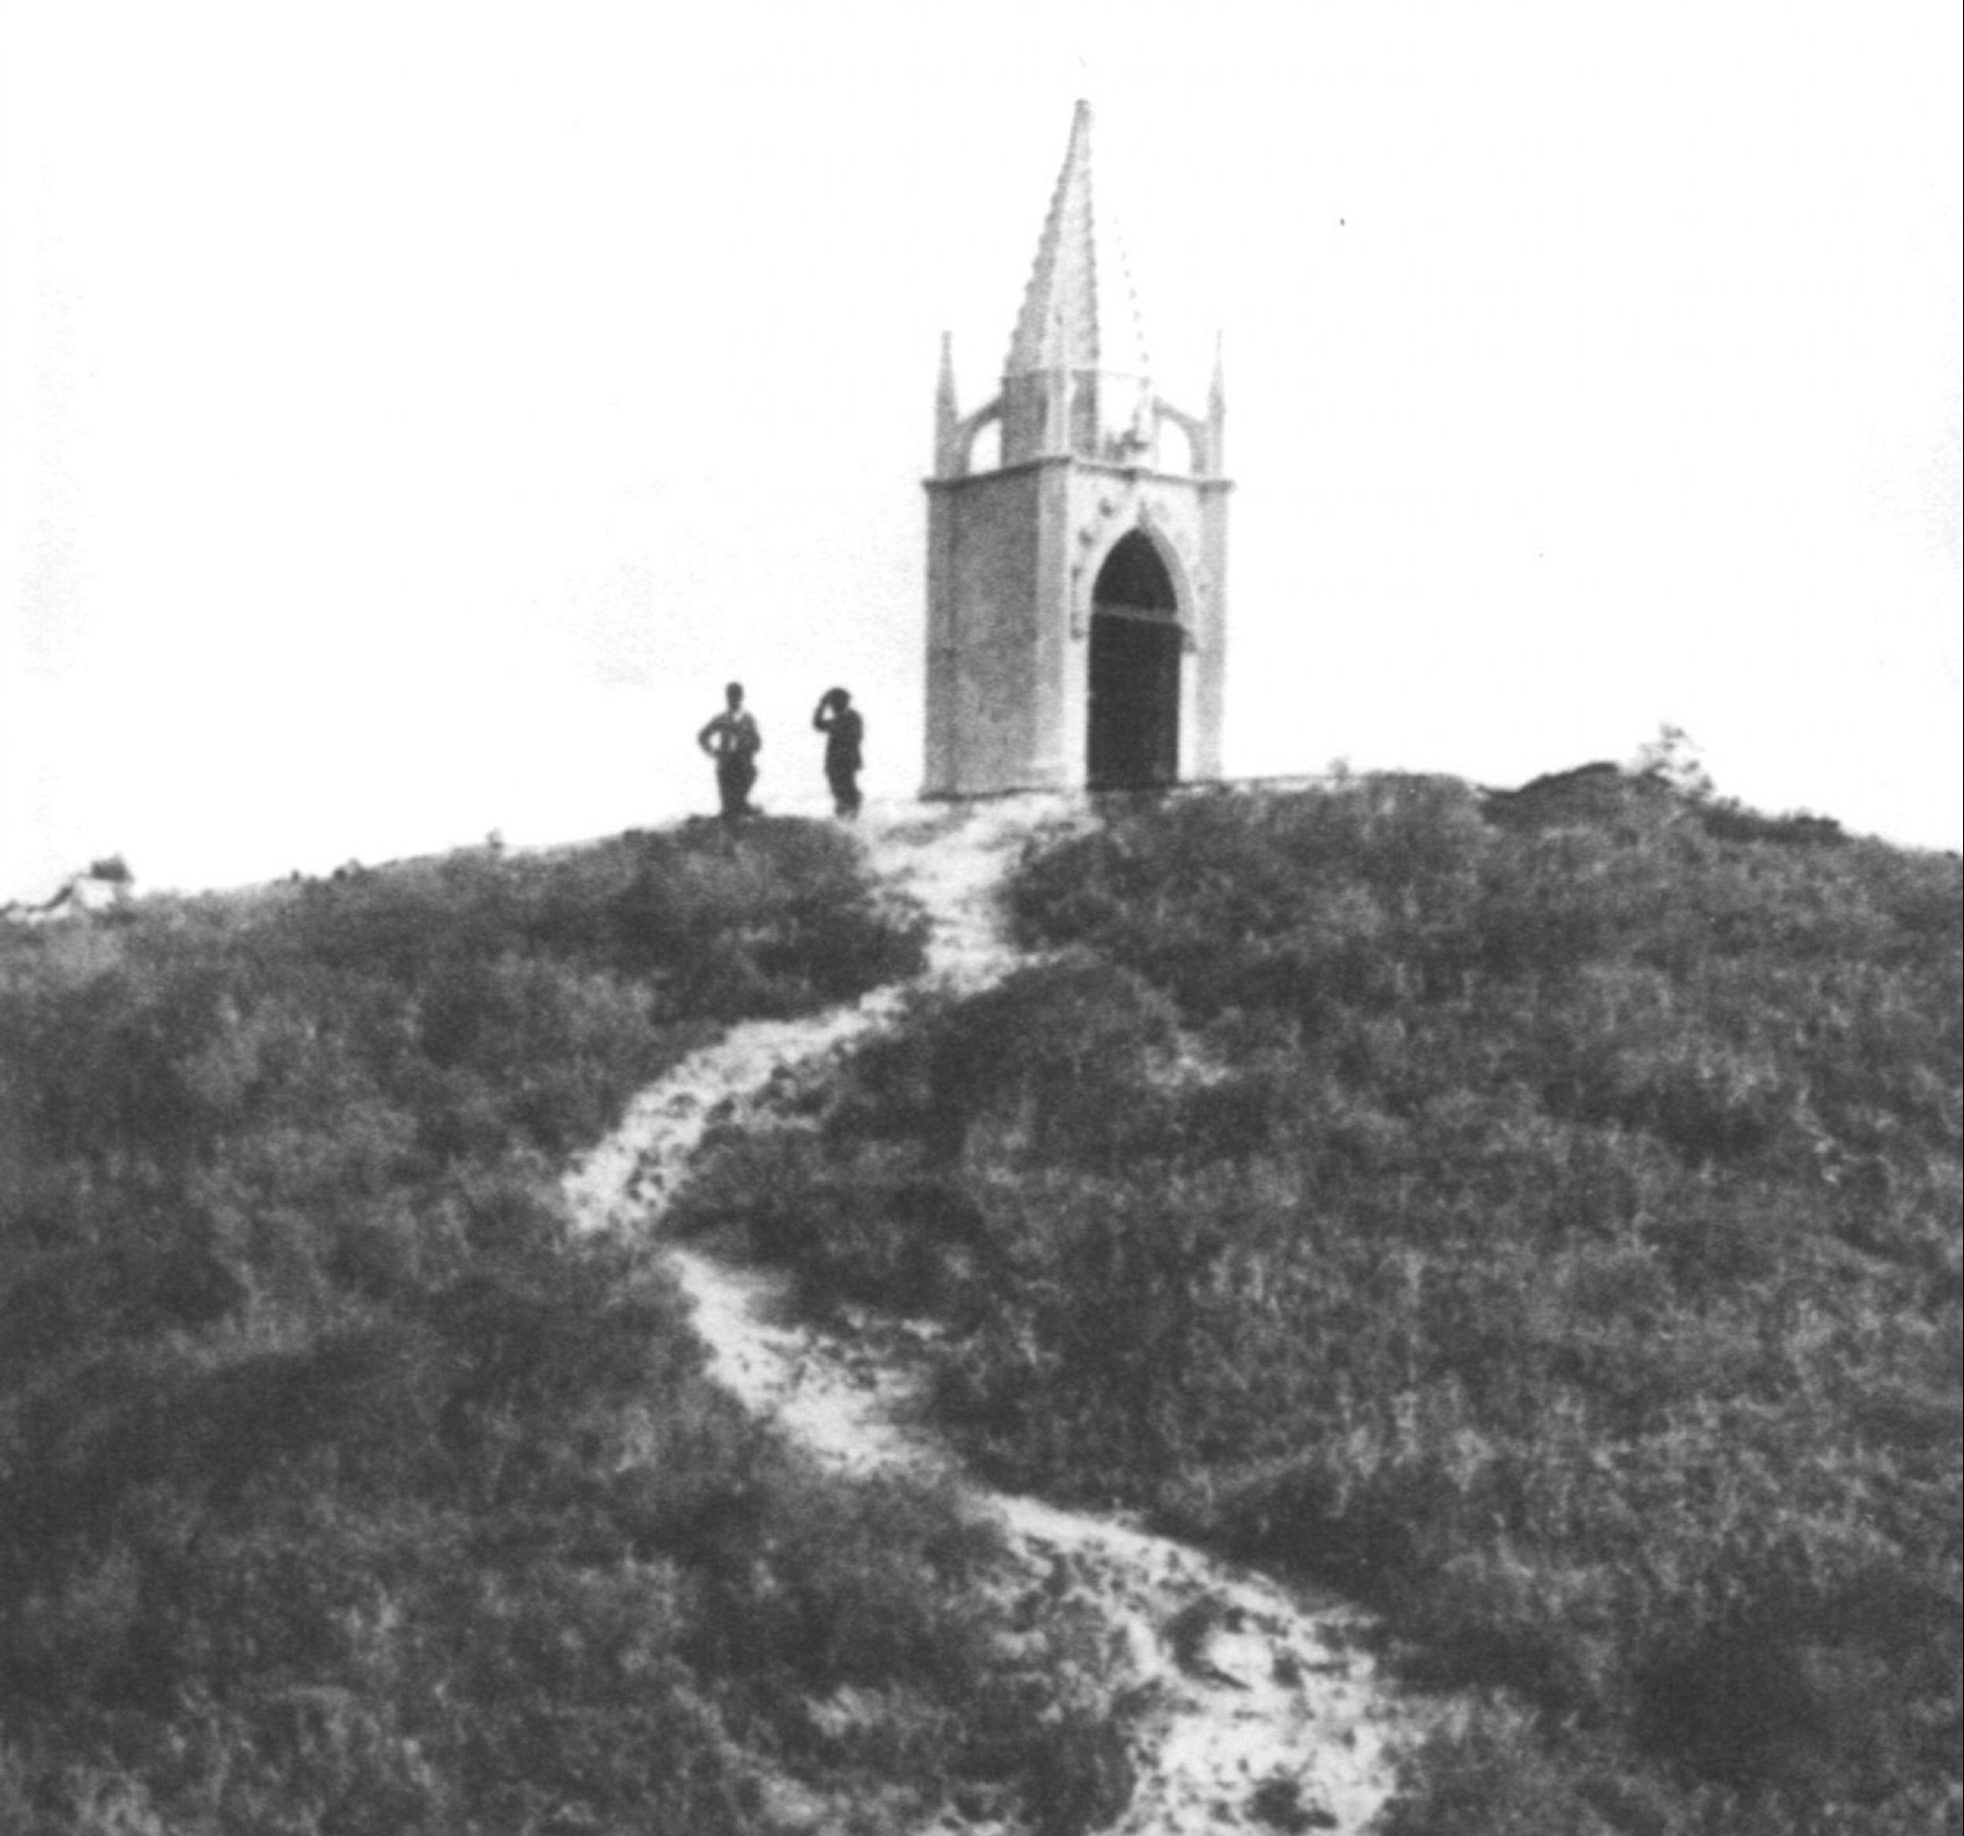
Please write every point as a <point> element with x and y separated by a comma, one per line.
<point>844,731</point>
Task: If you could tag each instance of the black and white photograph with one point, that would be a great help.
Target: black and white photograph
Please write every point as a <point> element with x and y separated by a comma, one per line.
<point>1038,921</point>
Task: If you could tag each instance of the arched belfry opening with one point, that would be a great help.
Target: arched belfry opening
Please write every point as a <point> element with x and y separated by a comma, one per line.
<point>1132,714</point>
<point>1077,541</point>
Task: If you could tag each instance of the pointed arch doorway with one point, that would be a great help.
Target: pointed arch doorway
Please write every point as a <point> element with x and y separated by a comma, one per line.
<point>1133,725</point>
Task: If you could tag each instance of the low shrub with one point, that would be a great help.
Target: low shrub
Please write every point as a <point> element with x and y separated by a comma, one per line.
<point>1540,1217</point>
<point>343,1486</point>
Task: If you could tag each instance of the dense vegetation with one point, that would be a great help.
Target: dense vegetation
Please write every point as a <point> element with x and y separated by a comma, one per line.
<point>344,1487</point>
<point>1539,1215</point>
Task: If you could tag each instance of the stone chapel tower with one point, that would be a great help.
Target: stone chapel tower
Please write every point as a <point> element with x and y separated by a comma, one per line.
<point>1076,589</point>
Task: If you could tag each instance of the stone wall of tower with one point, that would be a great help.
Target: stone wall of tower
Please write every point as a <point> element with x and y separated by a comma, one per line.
<point>1210,618</point>
<point>1013,558</point>
<point>992,692</point>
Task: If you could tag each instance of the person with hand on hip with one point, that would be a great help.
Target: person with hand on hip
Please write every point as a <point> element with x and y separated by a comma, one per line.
<point>731,738</point>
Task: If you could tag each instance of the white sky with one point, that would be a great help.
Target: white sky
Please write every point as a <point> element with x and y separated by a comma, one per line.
<point>410,415</point>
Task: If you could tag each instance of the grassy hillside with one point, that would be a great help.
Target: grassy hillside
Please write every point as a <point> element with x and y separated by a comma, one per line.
<point>342,1488</point>
<point>1538,1215</point>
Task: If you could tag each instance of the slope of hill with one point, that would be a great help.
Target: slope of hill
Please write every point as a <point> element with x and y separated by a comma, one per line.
<point>1221,1700</point>
<point>346,1487</point>
<point>1539,1216</point>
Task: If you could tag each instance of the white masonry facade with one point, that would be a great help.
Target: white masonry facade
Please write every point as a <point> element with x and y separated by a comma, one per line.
<point>1077,585</point>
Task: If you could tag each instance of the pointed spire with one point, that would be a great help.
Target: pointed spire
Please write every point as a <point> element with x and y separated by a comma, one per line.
<point>944,383</point>
<point>1079,312</point>
<point>1214,458</point>
<point>947,413</point>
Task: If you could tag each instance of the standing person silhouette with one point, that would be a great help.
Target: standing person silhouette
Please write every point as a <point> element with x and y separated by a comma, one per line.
<point>843,728</point>
<point>732,740</point>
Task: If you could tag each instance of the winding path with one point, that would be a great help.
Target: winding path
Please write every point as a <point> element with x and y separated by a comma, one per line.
<point>1259,1709</point>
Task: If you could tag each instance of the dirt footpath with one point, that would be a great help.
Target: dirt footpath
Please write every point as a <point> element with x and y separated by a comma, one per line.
<point>1254,1707</point>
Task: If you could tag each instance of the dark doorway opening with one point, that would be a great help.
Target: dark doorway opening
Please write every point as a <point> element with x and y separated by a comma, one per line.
<point>1133,737</point>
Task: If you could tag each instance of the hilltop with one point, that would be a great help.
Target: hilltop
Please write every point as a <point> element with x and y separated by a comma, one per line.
<point>1534,1215</point>
<point>348,1484</point>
